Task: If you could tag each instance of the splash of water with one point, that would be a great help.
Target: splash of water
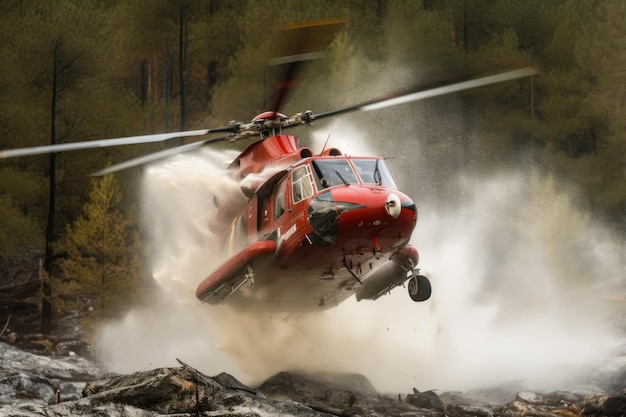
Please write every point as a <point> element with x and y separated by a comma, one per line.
<point>509,302</point>
<point>519,277</point>
<point>178,199</point>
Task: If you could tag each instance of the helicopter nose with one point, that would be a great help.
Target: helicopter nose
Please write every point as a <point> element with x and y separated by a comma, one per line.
<point>364,210</point>
<point>324,212</point>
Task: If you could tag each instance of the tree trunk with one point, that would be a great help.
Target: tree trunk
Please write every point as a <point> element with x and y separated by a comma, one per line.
<point>46,299</point>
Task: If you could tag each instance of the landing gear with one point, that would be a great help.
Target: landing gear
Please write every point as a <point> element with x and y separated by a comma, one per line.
<point>419,285</point>
<point>419,288</point>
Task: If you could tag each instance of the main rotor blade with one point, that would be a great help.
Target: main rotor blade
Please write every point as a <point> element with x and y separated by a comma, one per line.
<point>300,43</point>
<point>431,90</point>
<point>103,143</point>
<point>155,156</point>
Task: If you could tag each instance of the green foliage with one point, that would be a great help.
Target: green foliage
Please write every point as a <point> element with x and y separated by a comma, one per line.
<point>102,263</point>
<point>59,51</point>
<point>416,35</point>
<point>18,233</point>
<point>20,228</point>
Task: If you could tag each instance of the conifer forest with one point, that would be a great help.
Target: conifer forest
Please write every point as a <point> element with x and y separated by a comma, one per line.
<point>78,70</point>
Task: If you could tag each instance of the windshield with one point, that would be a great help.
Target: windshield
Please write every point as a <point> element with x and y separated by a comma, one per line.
<point>331,172</point>
<point>373,171</point>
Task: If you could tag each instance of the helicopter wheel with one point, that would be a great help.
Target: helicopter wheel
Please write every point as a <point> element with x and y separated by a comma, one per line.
<point>419,288</point>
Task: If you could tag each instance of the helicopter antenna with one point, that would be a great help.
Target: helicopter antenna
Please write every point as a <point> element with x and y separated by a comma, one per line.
<point>325,144</point>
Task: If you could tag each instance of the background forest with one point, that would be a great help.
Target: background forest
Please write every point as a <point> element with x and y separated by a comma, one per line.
<point>77,70</point>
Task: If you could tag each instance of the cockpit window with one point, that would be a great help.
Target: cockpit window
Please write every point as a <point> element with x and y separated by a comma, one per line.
<point>302,184</point>
<point>373,171</point>
<point>333,172</point>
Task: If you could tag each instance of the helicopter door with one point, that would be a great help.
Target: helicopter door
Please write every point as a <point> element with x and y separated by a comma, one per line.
<point>279,200</point>
<point>270,210</point>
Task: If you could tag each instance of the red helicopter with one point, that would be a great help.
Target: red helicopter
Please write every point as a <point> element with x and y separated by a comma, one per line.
<point>316,228</point>
<point>319,229</point>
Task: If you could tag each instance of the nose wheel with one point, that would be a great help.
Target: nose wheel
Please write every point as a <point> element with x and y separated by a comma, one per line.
<point>419,287</point>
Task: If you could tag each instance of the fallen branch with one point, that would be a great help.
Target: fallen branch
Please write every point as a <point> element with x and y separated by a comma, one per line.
<point>6,325</point>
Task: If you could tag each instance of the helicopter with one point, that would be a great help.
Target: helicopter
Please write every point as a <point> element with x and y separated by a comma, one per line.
<point>315,228</point>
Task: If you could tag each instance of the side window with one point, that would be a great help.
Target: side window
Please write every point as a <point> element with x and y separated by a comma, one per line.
<point>302,185</point>
<point>279,200</point>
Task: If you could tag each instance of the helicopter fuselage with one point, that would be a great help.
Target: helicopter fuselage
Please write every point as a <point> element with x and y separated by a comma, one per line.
<point>315,232</point>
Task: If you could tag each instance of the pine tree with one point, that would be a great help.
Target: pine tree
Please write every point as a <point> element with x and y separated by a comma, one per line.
<point>102,264</point>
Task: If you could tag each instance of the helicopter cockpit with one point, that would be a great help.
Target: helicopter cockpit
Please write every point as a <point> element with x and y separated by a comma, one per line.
<point>346,171</point>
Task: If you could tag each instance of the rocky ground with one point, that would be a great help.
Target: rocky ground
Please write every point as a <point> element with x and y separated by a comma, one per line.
<point>58,376</point>
<point>67,384</point>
